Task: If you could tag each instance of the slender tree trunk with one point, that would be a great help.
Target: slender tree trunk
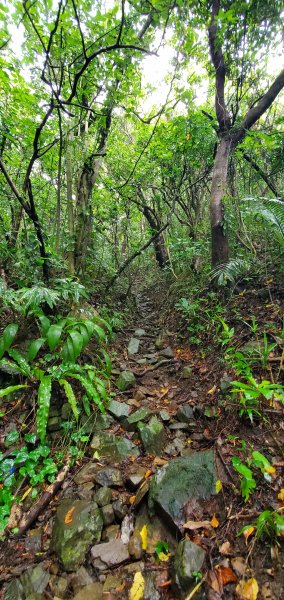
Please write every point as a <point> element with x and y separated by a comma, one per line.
<point>219,240</point>
<point>59,178</point>
<point>70,211</point>
<point>161,252</point>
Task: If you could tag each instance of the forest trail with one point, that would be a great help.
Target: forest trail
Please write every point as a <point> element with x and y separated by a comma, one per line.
<point>140,517</point>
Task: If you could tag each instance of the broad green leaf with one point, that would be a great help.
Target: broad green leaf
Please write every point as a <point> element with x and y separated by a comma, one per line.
<point>53,336</point>
<point>86,405</point>
<point>99,332</point>
<point>70,397</point>
<point>34,348</point>
<point>21,361</point>
<point>77,342</point>
<point>44,324</point>
<point>67,352</point>
<point>44,395</point>
<point>107,362</point>
<point>8,337</point>
<point>9,390</point>
<point>90,389</point>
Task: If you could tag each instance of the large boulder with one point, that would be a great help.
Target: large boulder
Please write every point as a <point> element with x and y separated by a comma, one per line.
<point>77,524</point>
<point>180,482</point>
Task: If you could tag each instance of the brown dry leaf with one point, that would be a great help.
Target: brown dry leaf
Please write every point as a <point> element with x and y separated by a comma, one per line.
<point>214,522</point>
<point>214,582</point>
<point>239,565</point>
<point>247,590</point>
<point>192,525</point>
<point>166,584</point>
<point>226,574</point>
<point>69,516</point>
<point>15,516</point>
<point>225,549</point>
<point>159,462</point>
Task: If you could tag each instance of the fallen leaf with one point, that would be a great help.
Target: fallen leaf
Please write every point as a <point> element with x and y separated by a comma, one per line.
<point>166,584</point>
<point>214,582</point>
<point>239,565</point>
<point>248,531</point>
<point>226,574</point>
<point>225,549</point>
<point>281,495</point>
<point>212,390</point>
<point>15,516</point>
<point>137,590</point>
<point>163,557</point>
<point>214,522</point>
<point>144,537</point>
<point>148,473</point>
<point>218,486</point>
<point>132,499</point>
<point>27,492</point>
<point>266,592</point>
<point>69,516</point>
<point>192,525</point>
<point>159,462</point>
<point>247,590</point>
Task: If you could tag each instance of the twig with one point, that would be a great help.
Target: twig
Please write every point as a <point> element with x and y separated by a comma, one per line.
<point>224,465</point>
<point>165,361</point>
<point>196,588</point>
<point>36,509</point>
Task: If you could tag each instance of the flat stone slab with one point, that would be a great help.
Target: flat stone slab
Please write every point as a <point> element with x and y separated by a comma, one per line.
<point>188,560</point>
<point>125,381</point>
<point>113,447</point>
<point>110,554</point>
<point>139,332</point>
<point>179,482</point>
<point>119,410</point>
<point>109,477</point>
<point>133,346</point>
<point>77,524</point>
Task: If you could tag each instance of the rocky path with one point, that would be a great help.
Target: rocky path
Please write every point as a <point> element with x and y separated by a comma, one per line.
<point>137,520</point>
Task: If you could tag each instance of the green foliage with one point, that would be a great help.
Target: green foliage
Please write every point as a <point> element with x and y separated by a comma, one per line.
<point>255,461</point>
<point>268,525</point>
<point>230,272</point>
<point>200,314</point>
<point>66,339</point>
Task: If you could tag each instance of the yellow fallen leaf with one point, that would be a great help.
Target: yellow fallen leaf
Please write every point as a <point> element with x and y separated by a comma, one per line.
<point>27,492</point>
<point>248,532</point>
<point>214,522</point>
<point>163,557</point>
<point>247,590</point>
<point>137,590</point>
<point>148,473</point>
<point>281,495</point>
<point>144,537</point>
<point>218,486</point>
<point>212,390</point>
<point>271,470</point>
<point>132,499</point>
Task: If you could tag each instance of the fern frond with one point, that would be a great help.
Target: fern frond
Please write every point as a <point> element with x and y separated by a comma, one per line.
<point>230,271</point>
<point>270,210</point>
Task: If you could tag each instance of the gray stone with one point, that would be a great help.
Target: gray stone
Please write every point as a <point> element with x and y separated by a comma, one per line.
<point>185,413</point>
<point>133,346</point>
<point>86,474</point>
<point>111,554</point>
<point>108,514</point>
<point>125,381</point>
<point>54,424</point>
<point>130,424</point>
<point>120,509</point>
<point>139,332</point>
<point>71,539</point>
<point>153,436</point>
<point>188,559</point>
<point>111,532</point>
<point>31,584</point>
<point>103,496</point>
<point>58,585</point>
<point>225,383</point>
<point>141,361</point>
<point>165,416</point>
<point>95,422</point>
<point>167,352</point>
<point>119,410</point>
<point>80,579</point>
<point>85,491</point>
<point>134,480</point>
<point>180,482</point>
<point>66,412</point>
<point>127,527</point>
<point>211,412</point>
<point>135,546</point>
<point>117,448</point>
<point>109,477</point>
<point>150,590</point>
<point>186,372</point>
<point>94,591</point>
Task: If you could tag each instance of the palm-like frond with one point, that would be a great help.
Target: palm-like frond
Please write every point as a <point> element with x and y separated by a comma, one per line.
<point>271,211</point>
<point>230,271</point>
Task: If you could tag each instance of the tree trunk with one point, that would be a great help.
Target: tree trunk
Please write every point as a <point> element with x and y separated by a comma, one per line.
<point>161,252</point>
<point>70,211</point>
<point>219,240</point>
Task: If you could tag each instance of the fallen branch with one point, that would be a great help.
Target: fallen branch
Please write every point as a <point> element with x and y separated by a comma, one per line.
<point>37,508</point>
<point>165,361</point>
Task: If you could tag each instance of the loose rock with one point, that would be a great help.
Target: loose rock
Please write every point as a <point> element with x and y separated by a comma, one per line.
<point>153,436</point>
<point>110,554</point>
<point>125,381</point>
<point>133,346</point>
<point>109,477</point>
<point>112,446</point>
<point>119,410</point>
<point>188,559</point>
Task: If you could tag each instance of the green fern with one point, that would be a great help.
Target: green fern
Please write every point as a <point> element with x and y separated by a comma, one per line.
<point>230,271</point>
<point>272,212</point>
<point>70,397</point>
<point>43,398</point>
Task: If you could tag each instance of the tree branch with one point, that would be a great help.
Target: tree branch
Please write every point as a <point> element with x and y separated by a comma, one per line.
<point>218,61</point>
